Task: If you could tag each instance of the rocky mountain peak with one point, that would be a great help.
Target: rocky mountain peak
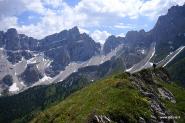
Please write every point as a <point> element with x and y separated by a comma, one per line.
<point>86,37</point>
<point>176,10</point>
<point>170,24</point>
<point>142,31</point>
<point>132,35</point>
<point>12,41</point>
<point>74,30</point>
<point>111,43</point>
<point>11,32</point>
<point>110,38</point>
<point>74,34</point>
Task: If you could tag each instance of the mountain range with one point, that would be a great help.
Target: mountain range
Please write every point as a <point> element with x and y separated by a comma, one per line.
<point>37,76</point>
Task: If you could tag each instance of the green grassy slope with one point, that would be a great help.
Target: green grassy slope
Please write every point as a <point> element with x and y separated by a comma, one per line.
<point>177,71</point>
<point>110,96</point>
<point>115,97</point>
<point>179,108</point>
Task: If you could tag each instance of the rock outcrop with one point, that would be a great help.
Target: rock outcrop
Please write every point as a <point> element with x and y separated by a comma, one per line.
<point>147,82</point>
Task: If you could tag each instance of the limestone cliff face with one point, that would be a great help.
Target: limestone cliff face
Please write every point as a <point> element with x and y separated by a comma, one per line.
<point>17,50</point>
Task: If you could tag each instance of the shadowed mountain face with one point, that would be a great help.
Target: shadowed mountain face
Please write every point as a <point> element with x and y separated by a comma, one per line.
<point>31,74</point>
<point>177,68</point>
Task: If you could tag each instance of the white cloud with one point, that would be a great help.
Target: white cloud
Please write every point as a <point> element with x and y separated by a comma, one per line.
<point>100,36</point>
<point>82,30</point>
<point>87,14</point>
<point>11,8</point>
<point>179,2</point>
<point>124,26</point>
<point>155,8</point>
<point>8,22</point>
<point>35,6</point>
<point>121,35</point>
<point>115,7</point>
<point>17,7</point>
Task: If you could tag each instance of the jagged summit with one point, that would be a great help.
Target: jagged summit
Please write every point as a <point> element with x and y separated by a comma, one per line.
<point>74,30</point>
<point>111,43</point>
<point>52,55</point>
<point>12,31</point>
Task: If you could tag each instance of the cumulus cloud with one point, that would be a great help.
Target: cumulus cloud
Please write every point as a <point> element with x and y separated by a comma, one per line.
<point>17,7</point>
<point>34,5</point>
<point>115,7</point>
<point>11,8</point>
<point>88,15</point>
<point>8,22</point>
<point>100,36</point>
<point>155,8</point>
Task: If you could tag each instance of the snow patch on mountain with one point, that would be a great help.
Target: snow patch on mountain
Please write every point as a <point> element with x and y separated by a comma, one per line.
<point>170,57</point>
<point>74,66</point>
<point>178,51</point>
<point>45,78</point>
<point>14,88</point>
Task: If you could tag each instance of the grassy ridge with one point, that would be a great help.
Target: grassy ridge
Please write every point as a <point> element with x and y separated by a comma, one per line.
<point>115,97</point>
<point>112,96</point>
<point>177,71</point>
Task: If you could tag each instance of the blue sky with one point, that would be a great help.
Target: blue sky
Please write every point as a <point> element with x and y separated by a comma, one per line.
<point>98,18</point>
<point>72,2</point>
